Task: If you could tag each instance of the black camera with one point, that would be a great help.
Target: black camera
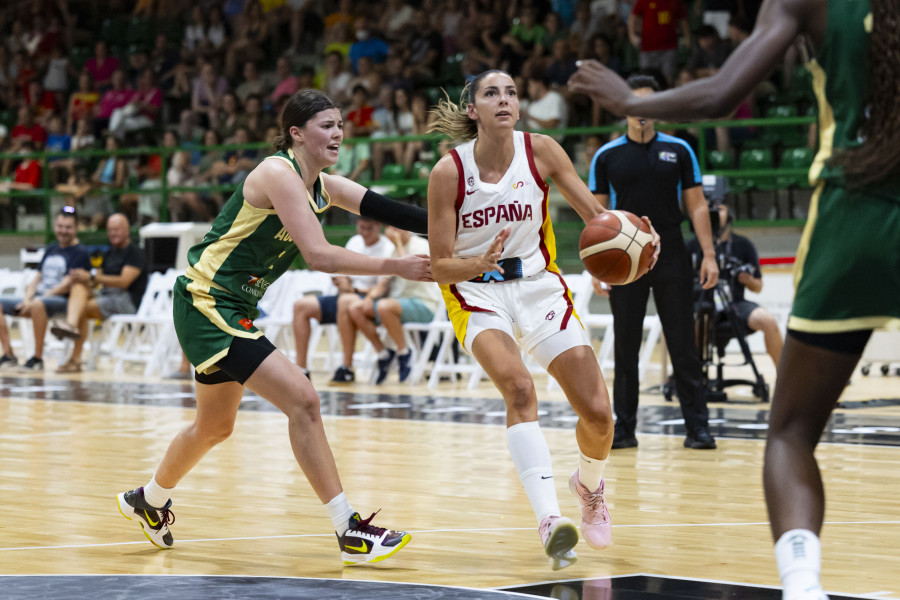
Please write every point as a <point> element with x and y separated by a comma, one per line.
<point>732,267</point>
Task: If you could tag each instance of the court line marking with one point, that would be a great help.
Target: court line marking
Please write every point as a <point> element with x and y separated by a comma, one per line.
<point>424,531</point>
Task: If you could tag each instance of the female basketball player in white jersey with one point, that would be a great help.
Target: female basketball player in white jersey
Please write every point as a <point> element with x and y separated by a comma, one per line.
<point>493,252</point>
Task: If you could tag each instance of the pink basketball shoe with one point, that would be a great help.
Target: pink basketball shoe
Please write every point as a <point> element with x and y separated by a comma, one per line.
<point>559,536</point>
<point>595,524</point>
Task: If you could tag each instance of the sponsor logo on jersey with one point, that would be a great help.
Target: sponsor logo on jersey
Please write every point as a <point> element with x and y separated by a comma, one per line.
<point>470,181</point>
<point>246,323</point>
<point>497,214</point>
<point>550,315</point>
<point>668,157</point>
<point>520,184</point>
<point>256,286</point>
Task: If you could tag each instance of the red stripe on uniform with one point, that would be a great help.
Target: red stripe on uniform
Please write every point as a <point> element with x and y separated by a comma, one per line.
<point>531,164</point>
<point>462,301</point>
<point>570,308</point>
<point>545,203</point>
<point>461,183</point>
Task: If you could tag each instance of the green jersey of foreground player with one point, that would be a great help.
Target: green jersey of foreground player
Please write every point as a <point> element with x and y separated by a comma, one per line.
<point>848,265</point>
<point>270,218</point>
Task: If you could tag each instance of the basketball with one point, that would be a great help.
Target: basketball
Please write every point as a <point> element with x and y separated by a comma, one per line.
<point>615,247</point>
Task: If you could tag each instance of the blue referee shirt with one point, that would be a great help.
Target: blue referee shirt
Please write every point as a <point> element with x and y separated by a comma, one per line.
<point>646,179</point>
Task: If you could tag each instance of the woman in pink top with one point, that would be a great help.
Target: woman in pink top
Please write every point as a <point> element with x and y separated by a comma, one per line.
<point>117,97</point>
<point>102,66</point>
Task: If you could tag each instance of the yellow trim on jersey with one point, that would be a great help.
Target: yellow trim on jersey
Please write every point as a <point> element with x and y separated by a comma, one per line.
<point>309,197</point>
<point>803,248</point>
<point>206,304</point>
<point>245,223</point>
<point>826,121</point>
<point>842,325</point>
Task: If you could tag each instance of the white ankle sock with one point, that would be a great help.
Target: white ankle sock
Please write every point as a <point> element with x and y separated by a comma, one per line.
<point>340,511</point>
<point>531,457</point>
<point>155,494</point>
<point>590,471</point>
<point>798,554</point>
<point>384,354</point>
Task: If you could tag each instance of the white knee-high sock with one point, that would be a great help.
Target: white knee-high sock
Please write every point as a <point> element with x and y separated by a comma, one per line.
<point>590,471</point>
<point>799,557</point>
<point>155,494</point>
<point>340,511</point>
<point>531,456</point>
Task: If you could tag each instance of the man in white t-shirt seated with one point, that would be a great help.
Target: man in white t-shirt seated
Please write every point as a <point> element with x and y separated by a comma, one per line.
<point>546,108</point>
<point>333,308</point>
<point>395,301</point>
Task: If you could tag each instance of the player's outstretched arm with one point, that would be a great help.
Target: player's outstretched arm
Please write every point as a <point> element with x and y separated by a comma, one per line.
<point>360,200</point>
<point>777,26</point>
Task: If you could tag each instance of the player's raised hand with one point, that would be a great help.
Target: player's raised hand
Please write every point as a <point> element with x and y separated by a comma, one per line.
<point>602,84</point>
<point>490,260</point>
<point>655,241</point>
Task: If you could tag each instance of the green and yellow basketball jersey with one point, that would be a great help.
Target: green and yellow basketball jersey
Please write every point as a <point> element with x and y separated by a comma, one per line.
<point>248,248</point>
<point>840,74</point>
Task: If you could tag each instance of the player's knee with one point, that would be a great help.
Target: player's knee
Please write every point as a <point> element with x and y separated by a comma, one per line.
<point>303,408</point>
<point>519,393</point>
<point>214,432</point>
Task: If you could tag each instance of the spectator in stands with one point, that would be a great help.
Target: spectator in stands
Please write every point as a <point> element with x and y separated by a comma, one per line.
<point>82,101</point>
<point>56,76</point>
<point>287,81</point>
<point>738,30</point>
<point>367,45</point>
<point>111,173</point>
<point>28,172</point>
<point>546,108</point>
<point>42,102</point>
<point>395,17</point>
<point>425,47</point>
<point>206,96</point>
<point>251,83</point>
<point>254,120</point>
<point>142,110</point>
<point>237,163</point>
<point>367,76</point>
<point>163,57</point>
<point>345,14</point>
<point>708,54</point>
<point>27,130</point>
<point>657,41</point>
<point>116,97</point>
<point>360,112</point>
<point>522,42</point>
<point>334,78</point>
<point>250,40</point>
<point>57,141</point>
<point>554,31</point>
<point>102,66</point>
<point>393,302</point>
<point>333,309</point>
<point>178,85</point>
<point>384,125</point>
<point>46,294</point>
<point>397,73</point>
<point>450,21</point>
<point>339,38</point>
<point>229,118</point>
<point>24,73</point>
<point>195,30</point>
<point>115,288</point>
<point>561,65</point>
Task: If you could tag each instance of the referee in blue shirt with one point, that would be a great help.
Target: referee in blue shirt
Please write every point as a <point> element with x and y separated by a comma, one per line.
<point>657,175</point>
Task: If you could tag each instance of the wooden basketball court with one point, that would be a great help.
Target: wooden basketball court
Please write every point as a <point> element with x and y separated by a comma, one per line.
<point>436,464</point>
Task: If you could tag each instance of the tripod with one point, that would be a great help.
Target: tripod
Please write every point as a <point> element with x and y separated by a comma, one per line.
<point>717,322</point>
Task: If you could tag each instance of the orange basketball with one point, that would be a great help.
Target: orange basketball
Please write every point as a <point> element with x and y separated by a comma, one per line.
<point>615,247</point>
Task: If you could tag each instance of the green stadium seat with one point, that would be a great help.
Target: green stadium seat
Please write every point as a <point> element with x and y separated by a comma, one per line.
<point>795,158</point>
<point>719,160</point>
<point>393,173</point>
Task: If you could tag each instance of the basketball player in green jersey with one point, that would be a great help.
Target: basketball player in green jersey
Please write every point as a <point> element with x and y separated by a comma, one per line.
<point>847,273</point>
<point>270,218</point>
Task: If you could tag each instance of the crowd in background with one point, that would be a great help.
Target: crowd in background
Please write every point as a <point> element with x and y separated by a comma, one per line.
<point>76,74</point>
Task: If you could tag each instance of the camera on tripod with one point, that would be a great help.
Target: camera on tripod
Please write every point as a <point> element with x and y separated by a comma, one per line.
<point>715,317</point>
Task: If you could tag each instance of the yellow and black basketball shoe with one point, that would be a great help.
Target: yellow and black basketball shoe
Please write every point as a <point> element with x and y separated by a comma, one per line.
<point>366,543</point>
<point>154,521</point>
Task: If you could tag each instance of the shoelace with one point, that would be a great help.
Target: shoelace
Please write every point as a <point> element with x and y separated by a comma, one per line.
<point>595,502</point>
<point>364,527</point>
<point>167,516</point>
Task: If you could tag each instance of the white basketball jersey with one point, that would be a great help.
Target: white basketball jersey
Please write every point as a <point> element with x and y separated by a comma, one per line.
<point>519,199</point>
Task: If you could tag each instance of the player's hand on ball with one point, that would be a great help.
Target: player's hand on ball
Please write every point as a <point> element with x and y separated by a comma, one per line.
<point>654,242</point>
<point>490,260</point>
